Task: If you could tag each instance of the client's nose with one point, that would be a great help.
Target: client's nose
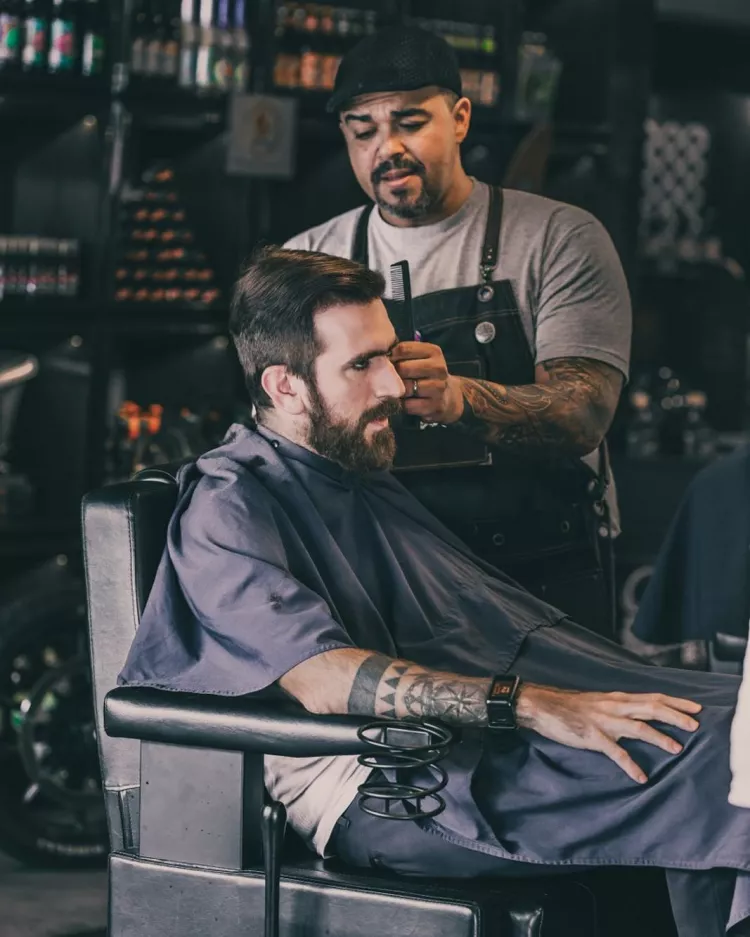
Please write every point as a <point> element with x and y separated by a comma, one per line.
<point>390,383</point>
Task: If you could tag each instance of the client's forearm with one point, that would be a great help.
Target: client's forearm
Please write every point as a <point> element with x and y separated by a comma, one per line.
<point>371,684</point>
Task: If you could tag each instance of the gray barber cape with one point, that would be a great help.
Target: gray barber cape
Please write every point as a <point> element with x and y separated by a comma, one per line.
<point>276,554</point>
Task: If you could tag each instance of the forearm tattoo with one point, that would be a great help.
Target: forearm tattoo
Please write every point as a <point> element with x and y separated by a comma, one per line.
<point>569,414</point>
<point>398,689</point>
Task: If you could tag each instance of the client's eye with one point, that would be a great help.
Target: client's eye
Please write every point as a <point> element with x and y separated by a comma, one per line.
<point>362,365</point>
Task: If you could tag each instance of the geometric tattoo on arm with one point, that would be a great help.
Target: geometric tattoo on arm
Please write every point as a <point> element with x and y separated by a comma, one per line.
<point>399,689</point>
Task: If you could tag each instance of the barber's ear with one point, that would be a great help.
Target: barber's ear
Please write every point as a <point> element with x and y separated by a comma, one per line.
<point>286,391</point>
<point>462,118</point>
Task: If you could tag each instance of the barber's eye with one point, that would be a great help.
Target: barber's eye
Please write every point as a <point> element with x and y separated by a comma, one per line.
<point>414,126</point>
<point>367,135</point>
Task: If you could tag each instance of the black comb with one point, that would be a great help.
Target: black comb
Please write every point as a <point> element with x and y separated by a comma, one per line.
<point>401,293</point>
<point>403,319</point>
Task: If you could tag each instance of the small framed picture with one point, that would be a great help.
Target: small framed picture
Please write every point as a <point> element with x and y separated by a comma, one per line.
<point>262,136</point>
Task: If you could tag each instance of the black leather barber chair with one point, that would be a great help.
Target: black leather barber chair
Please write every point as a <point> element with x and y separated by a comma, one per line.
<point>196,847</point>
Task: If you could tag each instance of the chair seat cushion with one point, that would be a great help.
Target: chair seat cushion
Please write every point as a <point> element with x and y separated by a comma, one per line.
<point>320,900</point>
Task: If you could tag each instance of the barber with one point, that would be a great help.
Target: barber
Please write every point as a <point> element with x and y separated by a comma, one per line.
<point>523,326</point>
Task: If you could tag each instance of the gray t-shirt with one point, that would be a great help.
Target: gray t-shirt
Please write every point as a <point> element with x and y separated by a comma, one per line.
<point>566,276</point>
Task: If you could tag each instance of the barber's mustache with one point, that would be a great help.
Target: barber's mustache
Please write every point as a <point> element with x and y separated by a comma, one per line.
<point>385,410</point>
<point>397,162</point>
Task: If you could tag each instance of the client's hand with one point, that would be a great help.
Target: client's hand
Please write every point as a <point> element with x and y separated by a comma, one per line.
<point>597,721</point>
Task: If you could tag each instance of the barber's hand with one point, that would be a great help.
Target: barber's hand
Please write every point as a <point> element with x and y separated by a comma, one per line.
<point>439,397</point>
<point>597,721</point>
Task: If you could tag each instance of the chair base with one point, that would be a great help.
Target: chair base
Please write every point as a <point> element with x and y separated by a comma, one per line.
<point>151,898</point>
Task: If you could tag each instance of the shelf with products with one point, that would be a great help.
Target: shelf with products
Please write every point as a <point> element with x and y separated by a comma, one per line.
<point>54,47</point>
<point>204,48</point>
<point>311,38</point>
<point>188,45</point>
<point>148,433</point>
<point>40,285</point>
<point>159,259</point>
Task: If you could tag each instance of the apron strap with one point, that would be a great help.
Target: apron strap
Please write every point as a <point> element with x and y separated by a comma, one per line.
<point>360,251</point>
<point>491,246</point>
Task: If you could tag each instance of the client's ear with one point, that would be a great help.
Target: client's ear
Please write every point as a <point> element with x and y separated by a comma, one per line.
<point>285,390</point>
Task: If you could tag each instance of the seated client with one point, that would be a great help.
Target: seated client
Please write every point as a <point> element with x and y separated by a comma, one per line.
<point>297,564</point>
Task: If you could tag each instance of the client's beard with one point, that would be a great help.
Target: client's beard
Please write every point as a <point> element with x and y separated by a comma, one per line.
<point>425,203</point>
<point>346,443</point>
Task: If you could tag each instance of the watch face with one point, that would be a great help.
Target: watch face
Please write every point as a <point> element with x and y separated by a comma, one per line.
<point>501,690</point>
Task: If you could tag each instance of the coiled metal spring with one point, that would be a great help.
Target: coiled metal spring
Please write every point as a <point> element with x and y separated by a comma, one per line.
<point>399,746</point>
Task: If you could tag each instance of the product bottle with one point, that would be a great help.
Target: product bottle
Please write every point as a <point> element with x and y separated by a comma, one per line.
<point>223,64</point>
<point>188,43</point>
<point>63,50</point>
<point>94,45</point>
<point>35,33</point>
<point>10,35</point>
<point>207,47</point>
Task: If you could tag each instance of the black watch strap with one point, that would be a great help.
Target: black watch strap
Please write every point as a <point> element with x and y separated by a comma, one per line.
<point>501,702</point>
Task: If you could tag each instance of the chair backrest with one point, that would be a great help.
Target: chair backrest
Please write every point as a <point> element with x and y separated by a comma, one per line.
<point>124,535</point>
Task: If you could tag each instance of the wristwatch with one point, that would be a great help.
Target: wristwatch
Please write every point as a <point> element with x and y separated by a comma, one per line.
<point>501,702</point>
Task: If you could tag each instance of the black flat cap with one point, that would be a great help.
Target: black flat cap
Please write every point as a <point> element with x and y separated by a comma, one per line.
<point>397,58</point>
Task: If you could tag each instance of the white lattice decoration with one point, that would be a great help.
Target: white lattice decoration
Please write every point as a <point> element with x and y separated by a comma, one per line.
<point>675,173</point>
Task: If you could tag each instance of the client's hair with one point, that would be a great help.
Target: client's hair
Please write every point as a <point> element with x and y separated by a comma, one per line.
<point>272,314</point>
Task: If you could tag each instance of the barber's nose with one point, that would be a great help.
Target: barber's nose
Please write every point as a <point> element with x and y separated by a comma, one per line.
<point>391,146</point>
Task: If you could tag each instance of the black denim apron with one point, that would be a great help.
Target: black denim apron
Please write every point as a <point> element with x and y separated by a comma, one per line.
<point>539,520</point>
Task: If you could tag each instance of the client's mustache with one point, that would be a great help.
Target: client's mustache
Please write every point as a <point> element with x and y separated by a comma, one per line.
<point>385,410</point>
<point>397,162</point>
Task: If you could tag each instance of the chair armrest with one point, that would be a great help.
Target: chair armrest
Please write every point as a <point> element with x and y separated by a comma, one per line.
<point>230,723</point>
<point>730,647</point>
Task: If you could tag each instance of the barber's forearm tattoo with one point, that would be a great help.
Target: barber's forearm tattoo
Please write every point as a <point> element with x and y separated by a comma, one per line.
<point>398,689</point>
<point>569,413</point>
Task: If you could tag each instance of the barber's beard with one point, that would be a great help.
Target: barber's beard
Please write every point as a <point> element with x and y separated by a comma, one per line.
<point>405,206</point>
<point>346,443</point>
